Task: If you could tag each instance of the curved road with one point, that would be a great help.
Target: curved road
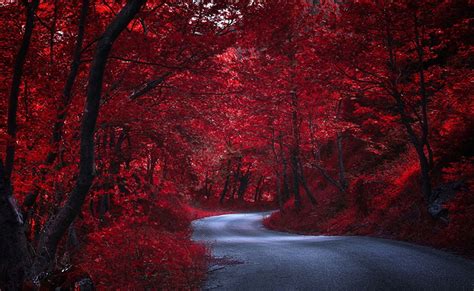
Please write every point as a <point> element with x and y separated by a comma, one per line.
<point>254,258</point>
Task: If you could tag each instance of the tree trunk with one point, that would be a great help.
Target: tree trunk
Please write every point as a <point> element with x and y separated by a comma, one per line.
<point>278,175</point>
<point>234,189</point>
<point>286,183</point>
<point>226,184</point>
<point>243,185</point>
<point>63,104</point>
<point>67,90</point>
<point>57,225</point>
<point>258,189</point>
<point>209,191</point>
<point>279,192</point>
<point>305,186</point>
<point>15,257</point>
<point>224,190</point>
<point>207,186</point>
<point>15,89</point>
<point>425,175</point>
<point>340,158</point>
<point>235,181</point>
<point>418,142</point>
<point>295,151</point>
<point>317,160</point>
<point>426,162</point>
<point>296,181</point>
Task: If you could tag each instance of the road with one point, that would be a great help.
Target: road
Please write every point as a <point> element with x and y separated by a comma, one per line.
<point>251,257</point>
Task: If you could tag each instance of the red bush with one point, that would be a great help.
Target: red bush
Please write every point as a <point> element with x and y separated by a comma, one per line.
<point>389,205</point>
<point>140,256</point>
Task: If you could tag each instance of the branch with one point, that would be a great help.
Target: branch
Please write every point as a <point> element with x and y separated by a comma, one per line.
<point>56,226</point>
<point>148,86</point>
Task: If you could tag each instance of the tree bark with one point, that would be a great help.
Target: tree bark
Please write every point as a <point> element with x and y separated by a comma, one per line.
<point>15,257</point>
<point>259,189</point>
<point>296,181</point>
<point>15,89</point>
<point>63,104</point>
<point>244,183</point>
<point>285,191</point>
<point>278,174</point>
<point>340,159</point>
<point>305,185</point>
<point>67,90</point>
<point>226,184</point>
<point>57,225</point>
<point>426,161</point>
<point>419,142</point>
<point>236,180</point>
<point>295,150</point>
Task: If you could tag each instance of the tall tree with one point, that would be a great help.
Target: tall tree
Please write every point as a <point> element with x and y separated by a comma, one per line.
<point>13,244</point>
<point>57,225</point>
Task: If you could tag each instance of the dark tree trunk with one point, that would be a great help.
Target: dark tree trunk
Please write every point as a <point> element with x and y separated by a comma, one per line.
<point>258,189</point>
<point>64,102</point>
<point>419,142</point>
<point>113,177</point>
<point>207,186</point>
<point>226,184</point>
<point>72,239</point>
<point>244,183</point>
<point>224,190</point>
<point>285,188</point>
<point>236,180</point>
<point>286,182</point>
<point>15,89</point>
<point>340,158</point>
<point>279,193</point>
<point>317,161</point>
<point>57,225</point>
<point>285,191</point>
<point>260,192</point>
<point>278,174</point>
<point>152,161</point>
<point>209,191</point>
<point>426,161</point>
<point>15,257</point>
<point>308,191</point>
<point>425,170</point>
<point>67,90</point>
<point>234,189</point>
<point>296,181</point>
<point>103,205</point>
<point>295,150</point>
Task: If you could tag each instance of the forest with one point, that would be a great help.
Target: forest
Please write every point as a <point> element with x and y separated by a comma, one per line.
<point>122,121</point>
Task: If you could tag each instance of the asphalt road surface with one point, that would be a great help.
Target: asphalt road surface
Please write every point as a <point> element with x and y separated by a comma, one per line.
<point>250,257</point>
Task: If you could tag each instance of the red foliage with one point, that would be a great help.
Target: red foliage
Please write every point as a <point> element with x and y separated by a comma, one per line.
<point>332,112</point>
<point>148,247</point>
<point>143,256</point>
<point>392,212</point>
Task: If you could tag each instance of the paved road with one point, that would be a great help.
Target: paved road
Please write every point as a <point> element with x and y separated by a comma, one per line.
<point>255,258</point>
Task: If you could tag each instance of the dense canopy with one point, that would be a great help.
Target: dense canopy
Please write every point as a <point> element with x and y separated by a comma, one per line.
<point>121,120</point>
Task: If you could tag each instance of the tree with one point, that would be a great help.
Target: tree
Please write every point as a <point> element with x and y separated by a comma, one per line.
<point>391,62</point>
<point>13,242</point>
<point>57,225</point>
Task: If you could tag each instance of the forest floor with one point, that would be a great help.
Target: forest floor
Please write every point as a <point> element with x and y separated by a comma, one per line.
<point>250,257</point>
